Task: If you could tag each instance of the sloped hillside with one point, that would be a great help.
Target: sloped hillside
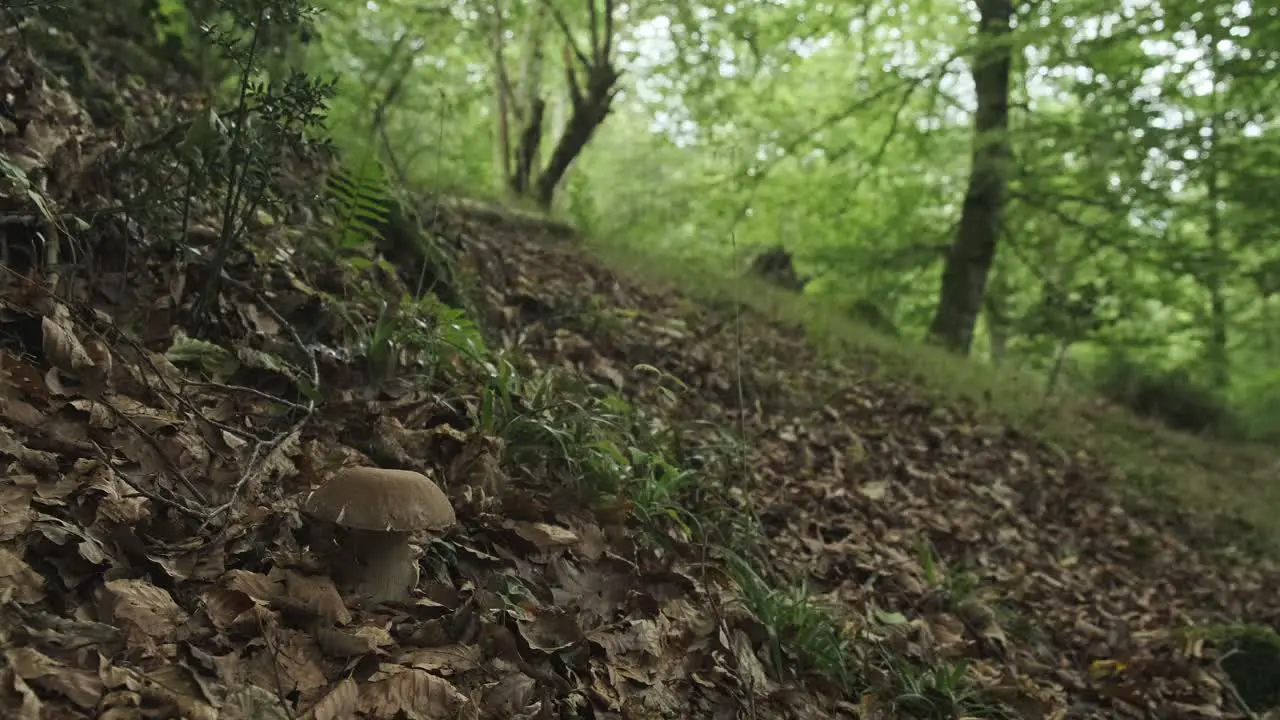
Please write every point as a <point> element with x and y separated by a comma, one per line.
<point>992,545</point>
<point>604,446</point>
<point>158,451</point>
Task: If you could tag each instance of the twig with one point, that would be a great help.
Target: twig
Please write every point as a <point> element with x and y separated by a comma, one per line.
<point>264,450</point>
<point>105,457</point>
<point>252,391</point>
<point>1225,679</point>
<point>261,452</point>
<point>568,33</point>
<point>274,648</point>
<point>155,445</point>
<point>144,357</point>
<point>293,333</point>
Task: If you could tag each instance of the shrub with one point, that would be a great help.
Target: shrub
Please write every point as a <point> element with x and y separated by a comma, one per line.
<point>1172,396</point>
<point>1257,403</point>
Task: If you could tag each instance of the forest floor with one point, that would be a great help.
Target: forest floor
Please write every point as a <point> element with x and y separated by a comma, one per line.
<point>666,507</point>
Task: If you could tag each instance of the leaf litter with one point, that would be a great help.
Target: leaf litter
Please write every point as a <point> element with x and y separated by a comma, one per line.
<point>156,563</point>
<point>983,544</point>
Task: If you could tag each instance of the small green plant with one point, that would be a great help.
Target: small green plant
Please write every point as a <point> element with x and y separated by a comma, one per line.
<point>421,333</point>
<point>361,197</point>
<point>936,691</point>
<point>601,319</point>
<point>1250,656</point>
<point>238,153</point>
<point>956,586</point>
<point>802,634</point>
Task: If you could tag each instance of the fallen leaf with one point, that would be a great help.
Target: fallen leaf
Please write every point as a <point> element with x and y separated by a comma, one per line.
<point>416,693</point>
<point>18,582</point>
<point>340,703</point>
<point>80,686</point>
<point>145,612</point>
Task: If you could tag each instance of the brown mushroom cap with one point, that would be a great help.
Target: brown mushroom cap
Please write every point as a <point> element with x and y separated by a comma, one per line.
<point>368,498</point>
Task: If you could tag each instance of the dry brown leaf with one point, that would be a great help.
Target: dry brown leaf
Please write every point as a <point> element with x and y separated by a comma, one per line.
<point>16,514</point>
<point>291,661</point>
<point>232,610</point>
<point>416,693</point>
<point>544,535</point>
<point>314,594</point>
<point>749,670</point>
<point>17,699</point>
<point>512,697</point>
<point>176,687</point>
<point>62,348</point>
<point>19,413</point>
<point>141,609</point>
<point>875,490</point>
<point>337,643</point>
<point>81,687</point>
<point>476,470</point>
<point>340,703</point>
<point>39,460</point>
<point>203,563</point>
<point>18,582</point>
<point>256,585</point>
<point>551,631</point>
<point>251,702</point>
<point>445,660</point>
<point>118,503</point>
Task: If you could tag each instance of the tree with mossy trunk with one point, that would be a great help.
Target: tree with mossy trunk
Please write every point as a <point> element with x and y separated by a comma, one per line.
<point>590,85</point>
<point>968,263</point>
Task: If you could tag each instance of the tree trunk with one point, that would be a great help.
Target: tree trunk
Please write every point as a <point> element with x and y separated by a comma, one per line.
<point>1218,353</point>
<point>527,148</point>
<point>589,112</point>
<point>502,99</point>
<point>997,322</point>
<point>964,277</point>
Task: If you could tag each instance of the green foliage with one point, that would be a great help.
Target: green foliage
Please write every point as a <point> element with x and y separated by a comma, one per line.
<point>1134,197</point>
<point>1172,396</point>
<point>362,200</point>
<point>595,441</point>
<point>799,629</point>
<point>421,335</point>
<point>1256,399</point>
<point>1252,661</point>
<point>1250,656</point>
<point>1160,465</point>
<point>1136,238</point>
<point>238,154</point>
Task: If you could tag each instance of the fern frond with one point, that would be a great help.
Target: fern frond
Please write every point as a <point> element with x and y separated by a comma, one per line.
<point>362,196</point>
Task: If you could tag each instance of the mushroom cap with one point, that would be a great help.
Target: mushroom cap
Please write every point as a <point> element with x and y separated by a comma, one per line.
<point>366,498</point>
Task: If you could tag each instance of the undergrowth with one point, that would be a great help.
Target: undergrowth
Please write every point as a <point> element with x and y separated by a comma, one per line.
<point>1224,481</point>
<point>556,427</point>
<point>552,427</point>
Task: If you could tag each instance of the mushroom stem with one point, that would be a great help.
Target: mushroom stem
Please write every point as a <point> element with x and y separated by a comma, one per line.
<point>383,565</point>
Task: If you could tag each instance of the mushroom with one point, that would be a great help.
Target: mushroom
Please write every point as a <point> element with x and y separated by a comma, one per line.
<point>380,508</point>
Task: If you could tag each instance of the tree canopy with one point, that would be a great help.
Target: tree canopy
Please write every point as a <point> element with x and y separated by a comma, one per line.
<point>1117,161</point>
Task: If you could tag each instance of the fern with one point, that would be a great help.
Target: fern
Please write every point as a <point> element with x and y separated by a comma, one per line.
<point>363,198</point>
<point>372,211</point>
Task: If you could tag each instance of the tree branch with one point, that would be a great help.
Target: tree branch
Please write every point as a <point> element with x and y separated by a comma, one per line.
<point>568,33</point>
<point>595,31</point>
<point>608,30</point>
